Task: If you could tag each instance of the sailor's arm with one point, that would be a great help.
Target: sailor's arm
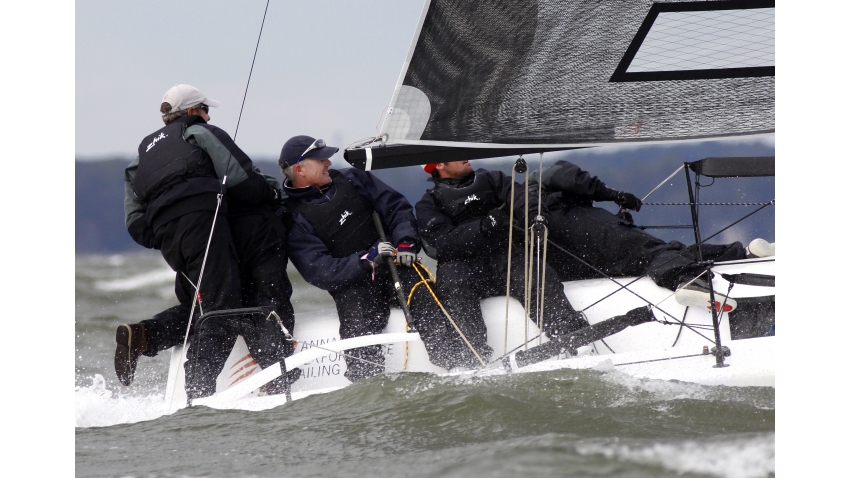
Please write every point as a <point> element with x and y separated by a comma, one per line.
<point>573,181</point>
<point>134,212</point>
<point>451,242</point>
<point>314,261</point>
<point>244,184</point>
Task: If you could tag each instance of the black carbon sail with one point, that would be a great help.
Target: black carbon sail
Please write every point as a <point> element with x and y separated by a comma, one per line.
<point>487,79</point>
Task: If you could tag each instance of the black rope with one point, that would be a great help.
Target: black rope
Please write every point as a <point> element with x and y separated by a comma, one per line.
<point>251,71</point>
<point>685,316</point>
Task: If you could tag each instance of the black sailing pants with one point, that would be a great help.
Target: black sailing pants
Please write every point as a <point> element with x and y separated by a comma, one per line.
<point>461,284</point>
<point>263,281</point>
<point>262,266</point>
<point>364,309</point>
<point>183,243</point>
<point>618,250</point>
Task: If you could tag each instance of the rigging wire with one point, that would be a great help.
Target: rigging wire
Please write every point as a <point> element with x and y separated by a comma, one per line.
<point>251,71</point>
<point>197,296</point>
<point>510,249</point>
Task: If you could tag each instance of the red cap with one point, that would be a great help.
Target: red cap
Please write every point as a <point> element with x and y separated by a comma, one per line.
<point>429,168</point>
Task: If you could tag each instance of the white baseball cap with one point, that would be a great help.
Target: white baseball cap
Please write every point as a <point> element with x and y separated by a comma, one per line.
<point>182,97</point>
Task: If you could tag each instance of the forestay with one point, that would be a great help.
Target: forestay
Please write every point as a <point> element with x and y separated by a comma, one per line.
<point>485,79</point>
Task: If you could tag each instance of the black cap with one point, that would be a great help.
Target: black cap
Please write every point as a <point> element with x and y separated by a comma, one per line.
<point>295,146</point>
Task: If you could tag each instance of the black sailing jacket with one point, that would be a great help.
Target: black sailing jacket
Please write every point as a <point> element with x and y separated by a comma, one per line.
<point>459,236</point>
<point>245,186</point>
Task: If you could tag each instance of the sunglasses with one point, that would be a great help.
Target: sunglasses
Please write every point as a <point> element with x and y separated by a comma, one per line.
<point>203,107</point>
<point>318,144</point>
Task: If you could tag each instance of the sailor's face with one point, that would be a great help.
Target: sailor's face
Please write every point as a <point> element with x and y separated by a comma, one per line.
<point>456,169</point>
<point>315,171</point>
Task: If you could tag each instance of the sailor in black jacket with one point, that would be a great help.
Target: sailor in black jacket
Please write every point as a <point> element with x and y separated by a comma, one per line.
<point>464,219</point>
<point>335,245</point>
<point>171,195</point>
<point>611,243</point>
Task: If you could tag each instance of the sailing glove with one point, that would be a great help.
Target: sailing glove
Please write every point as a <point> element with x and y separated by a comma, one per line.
<point>406,254</point>
<point>495,220</point>
<point>376,255</point>
<point>628,201</point>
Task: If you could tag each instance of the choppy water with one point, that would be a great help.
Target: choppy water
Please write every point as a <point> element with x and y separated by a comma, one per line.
<point>561,423</point>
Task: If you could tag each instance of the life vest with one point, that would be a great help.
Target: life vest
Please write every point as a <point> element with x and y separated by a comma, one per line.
<point>345,222</point>
<point>165,159</point>
<point>468,203</point>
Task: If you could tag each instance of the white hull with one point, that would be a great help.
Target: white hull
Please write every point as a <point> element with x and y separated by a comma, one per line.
<point>650,351</point>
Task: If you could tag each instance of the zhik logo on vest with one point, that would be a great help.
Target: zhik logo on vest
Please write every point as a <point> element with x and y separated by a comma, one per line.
<point>472,197</point>
<point>161,136</point>
<point>344,217</point>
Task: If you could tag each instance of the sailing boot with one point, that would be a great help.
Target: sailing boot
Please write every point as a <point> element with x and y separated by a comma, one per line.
<point>695,293</point>
<point>761,248</point>
<point>281,385</point>
<point>131,343</point>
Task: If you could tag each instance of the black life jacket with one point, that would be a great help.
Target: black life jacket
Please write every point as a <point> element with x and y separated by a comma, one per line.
<point>467,203</point>
<point>345,222</point>
<point>165,159</point>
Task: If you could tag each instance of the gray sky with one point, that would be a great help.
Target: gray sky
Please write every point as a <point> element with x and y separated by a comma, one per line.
<point>324,68</point>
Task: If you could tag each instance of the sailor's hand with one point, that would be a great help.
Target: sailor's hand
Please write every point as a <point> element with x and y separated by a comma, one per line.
<point>405,254</point>
<point>625,217</point>
<point>628,201</point>
<point>378,253</point>
<point>495,220</point>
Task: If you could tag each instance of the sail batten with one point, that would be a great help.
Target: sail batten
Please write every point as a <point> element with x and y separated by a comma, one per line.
<point>553,75</point>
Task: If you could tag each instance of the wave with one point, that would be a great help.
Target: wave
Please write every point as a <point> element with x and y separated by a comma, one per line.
<point>742,456</point>
<point>154,277</point>
<point>96,406</point>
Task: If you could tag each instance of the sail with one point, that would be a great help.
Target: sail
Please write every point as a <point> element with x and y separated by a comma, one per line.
<point>491,78</point>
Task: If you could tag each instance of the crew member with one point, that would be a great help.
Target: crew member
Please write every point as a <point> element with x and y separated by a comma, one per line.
<point>463,218</point>
<point>335,245</point>
<point>613,245</point>
<point>171,195</point>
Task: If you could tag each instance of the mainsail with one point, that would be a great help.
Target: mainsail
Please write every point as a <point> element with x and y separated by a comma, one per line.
<point>493,78</point>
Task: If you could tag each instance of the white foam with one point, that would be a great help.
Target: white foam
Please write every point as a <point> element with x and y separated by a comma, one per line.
<point>737,457</point>
<point>95,406</point>
<point>158,276</point>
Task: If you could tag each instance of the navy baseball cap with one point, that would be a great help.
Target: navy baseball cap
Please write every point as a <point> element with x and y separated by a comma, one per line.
<point>301,147</point>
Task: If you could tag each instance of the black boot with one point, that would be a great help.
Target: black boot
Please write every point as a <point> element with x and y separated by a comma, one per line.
<point>131,342</point>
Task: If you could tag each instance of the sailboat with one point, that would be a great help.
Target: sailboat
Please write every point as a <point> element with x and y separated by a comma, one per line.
<point>525,77</point>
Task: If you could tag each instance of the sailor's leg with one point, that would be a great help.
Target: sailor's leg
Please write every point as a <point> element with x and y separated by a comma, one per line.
<point>721,252</point>
<point>441,340</point>
<point>220,289</point>
<point>363,309</point>
<point>605,242</point>
<point>559,317</point>
<point>166,329</point>
<point>265,339</point>
<point>459,286</point>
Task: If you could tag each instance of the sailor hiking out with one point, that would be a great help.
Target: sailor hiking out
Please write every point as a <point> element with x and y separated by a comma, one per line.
<point>464,219</point>
<point>612,245</point>
<point>335,245</point>
<point>174,202</point>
